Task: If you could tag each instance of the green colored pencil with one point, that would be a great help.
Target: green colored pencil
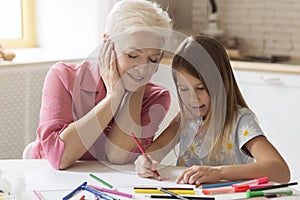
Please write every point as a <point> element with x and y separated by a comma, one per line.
<point>102,181</point>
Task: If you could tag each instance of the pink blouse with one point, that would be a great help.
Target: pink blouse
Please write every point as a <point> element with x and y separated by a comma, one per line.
<point>72,90</point>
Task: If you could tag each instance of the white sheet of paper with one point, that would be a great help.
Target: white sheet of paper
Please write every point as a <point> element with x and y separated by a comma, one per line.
<point>120,176</point>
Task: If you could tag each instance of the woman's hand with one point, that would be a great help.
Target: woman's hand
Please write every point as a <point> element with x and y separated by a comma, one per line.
<point>109,70</point>
<point>145,166</point>
<point>200,174</point>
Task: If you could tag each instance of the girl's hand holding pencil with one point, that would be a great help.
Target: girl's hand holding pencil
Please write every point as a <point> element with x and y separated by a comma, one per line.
<point>145,166</point>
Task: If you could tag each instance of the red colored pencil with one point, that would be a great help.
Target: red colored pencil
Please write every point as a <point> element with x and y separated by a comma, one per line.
<point>82,197</point>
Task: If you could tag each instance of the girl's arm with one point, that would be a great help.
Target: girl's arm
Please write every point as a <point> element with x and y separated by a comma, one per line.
<point>157,151</point>
<point>165,142</point>
<point>268,163</point>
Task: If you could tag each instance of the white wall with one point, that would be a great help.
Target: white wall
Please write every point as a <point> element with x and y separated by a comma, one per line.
<point>75,26</point>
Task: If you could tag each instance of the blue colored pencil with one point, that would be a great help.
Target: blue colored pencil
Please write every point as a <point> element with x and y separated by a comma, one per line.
<point>220,184</point>
<point>68,196</point>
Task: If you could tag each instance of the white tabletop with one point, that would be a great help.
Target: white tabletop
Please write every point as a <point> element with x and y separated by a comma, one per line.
<point>17,172</point>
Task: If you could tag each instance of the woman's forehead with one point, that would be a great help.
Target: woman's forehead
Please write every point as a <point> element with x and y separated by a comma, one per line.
<point>140,40</point>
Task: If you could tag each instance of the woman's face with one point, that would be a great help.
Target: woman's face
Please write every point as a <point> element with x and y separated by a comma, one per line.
<point>193,93</point>
<point>138,57</point>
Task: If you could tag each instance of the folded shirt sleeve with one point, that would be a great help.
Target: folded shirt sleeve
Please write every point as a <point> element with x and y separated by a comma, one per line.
<point>55,115</point>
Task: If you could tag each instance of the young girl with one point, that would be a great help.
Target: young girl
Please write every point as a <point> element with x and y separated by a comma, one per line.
<point>87,108</point>
<point>219,136</point>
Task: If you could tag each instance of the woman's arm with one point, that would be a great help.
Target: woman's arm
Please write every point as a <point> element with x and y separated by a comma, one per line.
<point>80,135</point>
<point>127,120</point>
<point>141,113</point>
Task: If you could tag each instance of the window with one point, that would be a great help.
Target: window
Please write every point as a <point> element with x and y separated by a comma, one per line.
<point>17,24</point>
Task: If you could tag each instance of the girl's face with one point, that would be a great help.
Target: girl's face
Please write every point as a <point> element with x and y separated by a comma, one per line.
<point>193,93</point>
<point>136,62</point>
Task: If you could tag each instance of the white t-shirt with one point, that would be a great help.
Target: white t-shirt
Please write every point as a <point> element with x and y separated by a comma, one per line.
<point>244,130</point>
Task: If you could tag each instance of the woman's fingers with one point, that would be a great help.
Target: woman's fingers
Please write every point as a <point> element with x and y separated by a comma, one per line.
<point>105,56</point>
<point>113,66</point>
<point>108,55</point>
<point>109,69</point>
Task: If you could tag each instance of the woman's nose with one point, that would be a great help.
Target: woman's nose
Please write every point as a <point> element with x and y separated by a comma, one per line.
<point>143,61</point>
<point>140,69</point>
<point>143,64</point>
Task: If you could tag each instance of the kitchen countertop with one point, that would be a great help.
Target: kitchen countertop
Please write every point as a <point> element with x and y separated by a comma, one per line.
<point>238,65</point>
<point>258,66</point>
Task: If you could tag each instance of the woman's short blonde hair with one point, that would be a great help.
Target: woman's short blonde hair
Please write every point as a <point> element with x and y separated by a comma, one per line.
<point>127,15</point>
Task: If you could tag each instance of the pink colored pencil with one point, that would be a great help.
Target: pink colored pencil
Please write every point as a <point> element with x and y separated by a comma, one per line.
<point>38,195</point>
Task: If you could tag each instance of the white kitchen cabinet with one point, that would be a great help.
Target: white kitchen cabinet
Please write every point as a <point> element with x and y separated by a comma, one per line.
<point>275,98</point>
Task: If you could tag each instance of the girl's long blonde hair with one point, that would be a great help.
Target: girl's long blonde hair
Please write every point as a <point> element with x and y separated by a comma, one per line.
<point>234,97</point>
